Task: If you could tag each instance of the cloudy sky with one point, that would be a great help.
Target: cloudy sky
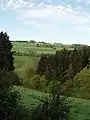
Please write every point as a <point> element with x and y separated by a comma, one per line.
<point>65,21</point>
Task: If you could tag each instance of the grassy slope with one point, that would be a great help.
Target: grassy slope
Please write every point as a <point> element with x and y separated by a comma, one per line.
<point>80,107</point>
<point>21,63</point>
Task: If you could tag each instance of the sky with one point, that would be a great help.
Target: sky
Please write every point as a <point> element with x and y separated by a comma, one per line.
<point>63,21</point>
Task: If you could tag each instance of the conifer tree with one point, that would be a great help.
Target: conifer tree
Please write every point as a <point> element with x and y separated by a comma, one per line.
<point>6,53</point>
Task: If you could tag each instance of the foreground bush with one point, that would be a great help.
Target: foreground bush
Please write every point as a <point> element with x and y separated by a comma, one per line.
<point>53,108</point>
<point>9,99</point>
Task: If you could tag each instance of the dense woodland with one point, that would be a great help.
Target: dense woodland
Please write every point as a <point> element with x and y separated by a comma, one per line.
<point>64,65</point>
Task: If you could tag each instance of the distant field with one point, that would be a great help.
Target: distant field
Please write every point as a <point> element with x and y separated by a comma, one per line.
<point>26,47</point>
<point>80,109</point>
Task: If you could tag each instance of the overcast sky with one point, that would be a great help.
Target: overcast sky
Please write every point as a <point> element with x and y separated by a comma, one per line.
<point>65,21</point>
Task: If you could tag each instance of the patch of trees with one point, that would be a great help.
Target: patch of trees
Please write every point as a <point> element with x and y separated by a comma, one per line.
<point>29,53</point>
<point>63,65</point>
<point>79,45</point>
<point>32,41</point>
<point>21,41</point>
<point>47,45</point>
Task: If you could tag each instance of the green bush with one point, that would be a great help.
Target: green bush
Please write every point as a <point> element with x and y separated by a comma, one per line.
<point>54,107</point>
<point>36,82</point>
<point>81,84</point>
<point>9,99</point>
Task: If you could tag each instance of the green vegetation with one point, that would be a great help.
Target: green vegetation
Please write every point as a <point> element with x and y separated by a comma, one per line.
<point>22,63</point>
<point>78,86</point>
<point>52,80</point>
<point>80,109</point>
<point>81,84</point>
<point>31,49</point>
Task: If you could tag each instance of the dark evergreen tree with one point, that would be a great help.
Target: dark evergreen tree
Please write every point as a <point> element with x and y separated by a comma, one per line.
<point>49,73</point>
<point>6,53</point>
<point>62,64</point>
<point>65,63</point>
<point>42,64</point>
<point>86,55</point>
<point>69,73</point>
<point>9,99</point>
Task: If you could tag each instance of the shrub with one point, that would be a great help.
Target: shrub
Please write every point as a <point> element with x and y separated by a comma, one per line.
<point>36,82</point>
<point>9,99</point>
<point>81,84</point>
<point>53,108</point>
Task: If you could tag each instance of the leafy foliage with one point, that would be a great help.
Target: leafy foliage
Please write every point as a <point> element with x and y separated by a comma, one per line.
<point>52,108</point>
<point>6,55</point>
<point>9,100</point>
<point>81,84</point>
<point>36,82</point>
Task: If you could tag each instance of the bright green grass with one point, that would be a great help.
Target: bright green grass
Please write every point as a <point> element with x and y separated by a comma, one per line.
<point>26,47</point>
<point>21,63</point>
<point>80,109</point>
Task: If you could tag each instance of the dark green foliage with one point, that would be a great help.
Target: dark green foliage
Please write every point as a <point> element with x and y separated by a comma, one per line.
<point>49,73</point>
<point>32,41</point>
<point>8,104</point>
<point>6,55</point>
<point>64,65</point>
<point>8,79</point>
<point>53,108</point>
<point>9,99</point>
<point>42,64</point>
<point>36,82</point>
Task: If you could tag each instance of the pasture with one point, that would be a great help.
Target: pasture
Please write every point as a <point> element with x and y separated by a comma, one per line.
<point>32,47</point>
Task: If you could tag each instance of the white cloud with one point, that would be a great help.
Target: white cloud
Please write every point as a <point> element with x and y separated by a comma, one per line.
<point>40,12</point>
<point>53,13</point>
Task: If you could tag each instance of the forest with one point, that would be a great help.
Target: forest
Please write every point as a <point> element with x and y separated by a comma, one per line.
<point>44,81</point>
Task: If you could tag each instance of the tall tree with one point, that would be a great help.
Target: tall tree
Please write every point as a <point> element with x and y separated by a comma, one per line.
<point>49,73</point>
<point>42,64</point>
<point>6,53</point>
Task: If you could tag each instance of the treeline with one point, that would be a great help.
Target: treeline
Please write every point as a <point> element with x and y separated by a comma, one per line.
<point>22,41</point>
<point>63,65</point>
<point>30,53</point>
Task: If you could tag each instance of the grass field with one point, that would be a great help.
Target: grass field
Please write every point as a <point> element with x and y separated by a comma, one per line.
<point>21,63</point>
<point>26,47</point>
<point>80,109</point>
